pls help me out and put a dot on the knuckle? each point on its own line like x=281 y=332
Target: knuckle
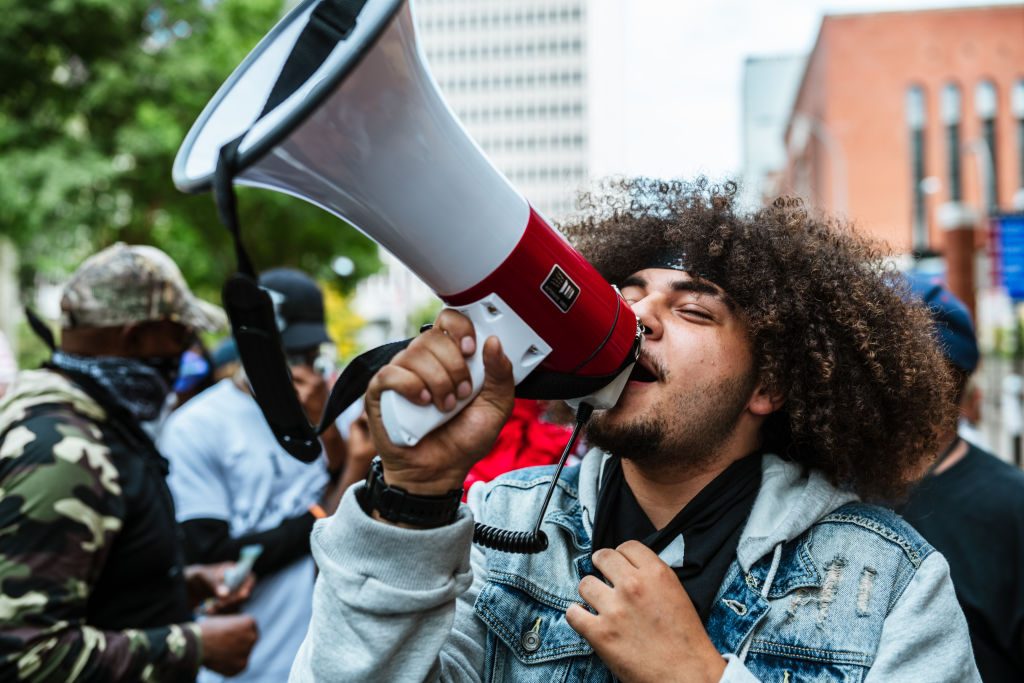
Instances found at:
x=631 y=586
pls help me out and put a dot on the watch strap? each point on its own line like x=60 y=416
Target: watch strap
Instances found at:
x=395 y=504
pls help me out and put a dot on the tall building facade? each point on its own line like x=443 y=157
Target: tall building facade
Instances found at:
x=769 y=86
x=910 y=121
x=515 y=73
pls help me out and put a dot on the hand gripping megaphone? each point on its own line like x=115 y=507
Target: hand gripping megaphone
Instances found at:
x=336 y=107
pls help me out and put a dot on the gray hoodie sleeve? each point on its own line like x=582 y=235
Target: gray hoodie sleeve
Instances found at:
x=925 y=637
x=392 y=604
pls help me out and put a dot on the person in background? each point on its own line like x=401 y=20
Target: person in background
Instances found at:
x=195 y=374
x=225 y=359
x=235 y=486
x=970 y=506
x=93 y=583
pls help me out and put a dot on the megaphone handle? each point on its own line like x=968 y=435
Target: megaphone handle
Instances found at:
x=406 y=423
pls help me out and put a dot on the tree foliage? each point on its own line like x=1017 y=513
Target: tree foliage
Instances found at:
x=96 y=97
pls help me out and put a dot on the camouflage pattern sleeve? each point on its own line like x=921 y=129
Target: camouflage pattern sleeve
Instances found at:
x=60 y=510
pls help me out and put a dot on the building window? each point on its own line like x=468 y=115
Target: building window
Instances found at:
x=916 y=120
x=951 y=113
x=986 y=105
x=1018 y=113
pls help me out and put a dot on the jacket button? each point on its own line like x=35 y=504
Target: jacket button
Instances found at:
x=531 y=639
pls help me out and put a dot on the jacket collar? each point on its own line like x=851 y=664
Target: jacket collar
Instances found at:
x=790 y=501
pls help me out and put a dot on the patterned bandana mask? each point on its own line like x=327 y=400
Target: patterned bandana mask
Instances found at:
x=140 y=386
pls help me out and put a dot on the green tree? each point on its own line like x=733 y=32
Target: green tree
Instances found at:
x=96 y=97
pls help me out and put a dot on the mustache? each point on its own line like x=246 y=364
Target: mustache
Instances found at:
x=654 y=364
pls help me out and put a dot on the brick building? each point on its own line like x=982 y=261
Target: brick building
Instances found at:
x=901 y=117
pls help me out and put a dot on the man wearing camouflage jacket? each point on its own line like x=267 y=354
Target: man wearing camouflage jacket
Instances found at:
x=92 y=583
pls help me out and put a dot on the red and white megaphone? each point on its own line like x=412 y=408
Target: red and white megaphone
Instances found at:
x=336 y=106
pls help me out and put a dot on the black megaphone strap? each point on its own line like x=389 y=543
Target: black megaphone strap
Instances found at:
x=331 y=22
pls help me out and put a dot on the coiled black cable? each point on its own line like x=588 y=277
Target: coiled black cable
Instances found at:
x=531 y=542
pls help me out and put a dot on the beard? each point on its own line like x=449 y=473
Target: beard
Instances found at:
x=688 y=432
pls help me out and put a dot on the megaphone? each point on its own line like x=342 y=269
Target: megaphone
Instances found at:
x=336 y=106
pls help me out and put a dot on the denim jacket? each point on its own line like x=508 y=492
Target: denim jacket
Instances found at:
x=823 y=588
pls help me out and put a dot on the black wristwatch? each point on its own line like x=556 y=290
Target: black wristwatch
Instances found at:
x=395 y=504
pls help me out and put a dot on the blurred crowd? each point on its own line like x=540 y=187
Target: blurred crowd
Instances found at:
x=152 y=527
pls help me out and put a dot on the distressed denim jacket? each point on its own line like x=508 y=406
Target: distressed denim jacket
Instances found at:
x=824 y=588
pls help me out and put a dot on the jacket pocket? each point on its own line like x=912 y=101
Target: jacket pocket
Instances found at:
x=529 y=638
x=780 y=663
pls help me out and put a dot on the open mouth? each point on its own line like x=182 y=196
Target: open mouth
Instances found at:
x=642 y=373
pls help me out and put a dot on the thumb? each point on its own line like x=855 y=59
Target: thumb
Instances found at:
x=498 y=381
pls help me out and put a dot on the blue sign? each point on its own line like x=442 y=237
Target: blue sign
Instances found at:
x=1011 y=254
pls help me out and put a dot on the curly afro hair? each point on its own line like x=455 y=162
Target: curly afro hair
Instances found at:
x=831 y=324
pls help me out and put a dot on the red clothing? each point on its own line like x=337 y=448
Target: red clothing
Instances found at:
x=524 y=441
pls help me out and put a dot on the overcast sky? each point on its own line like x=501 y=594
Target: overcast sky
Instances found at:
x=667 y=74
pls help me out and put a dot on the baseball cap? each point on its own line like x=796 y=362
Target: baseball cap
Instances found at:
x=298 y=306
x=126 y=284
x=953 y=326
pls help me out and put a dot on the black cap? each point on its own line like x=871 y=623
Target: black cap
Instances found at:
x=299 y=307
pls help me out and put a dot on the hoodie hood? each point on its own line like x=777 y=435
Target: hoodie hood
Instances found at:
x=40 y=387
x=791 y=499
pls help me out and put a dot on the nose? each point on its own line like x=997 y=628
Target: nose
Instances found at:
x=646 y=310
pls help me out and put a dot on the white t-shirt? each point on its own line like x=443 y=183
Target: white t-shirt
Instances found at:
x=227 y=465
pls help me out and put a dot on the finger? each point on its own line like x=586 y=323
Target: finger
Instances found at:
x=425 y=363
x=582 y=621
x=447 y=350
x=459 y=328
x=499 y=384
x=394 y=378
x=595 y=592
x=613 y=565
x=638 y=554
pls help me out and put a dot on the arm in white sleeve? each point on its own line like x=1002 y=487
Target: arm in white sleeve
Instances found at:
x=392 y=604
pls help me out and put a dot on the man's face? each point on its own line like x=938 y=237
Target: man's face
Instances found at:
x=158 y=339
x=695 y=377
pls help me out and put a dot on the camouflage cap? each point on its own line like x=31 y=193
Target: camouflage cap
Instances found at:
x=125 y=284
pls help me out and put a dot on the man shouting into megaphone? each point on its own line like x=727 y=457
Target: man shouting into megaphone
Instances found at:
x=717 y=531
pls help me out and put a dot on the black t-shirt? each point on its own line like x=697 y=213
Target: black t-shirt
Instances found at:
x=973 y=513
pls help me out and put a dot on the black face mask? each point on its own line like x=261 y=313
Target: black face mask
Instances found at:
x=168 y=367
x=140 y=385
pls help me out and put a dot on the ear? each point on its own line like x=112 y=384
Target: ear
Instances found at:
x=764 y=402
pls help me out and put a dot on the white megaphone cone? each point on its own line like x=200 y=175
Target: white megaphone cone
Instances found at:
x=367 y=136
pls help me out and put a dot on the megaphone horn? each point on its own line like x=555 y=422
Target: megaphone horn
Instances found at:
x=336 y=106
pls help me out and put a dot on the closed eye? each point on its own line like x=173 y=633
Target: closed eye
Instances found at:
x=696 y=312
